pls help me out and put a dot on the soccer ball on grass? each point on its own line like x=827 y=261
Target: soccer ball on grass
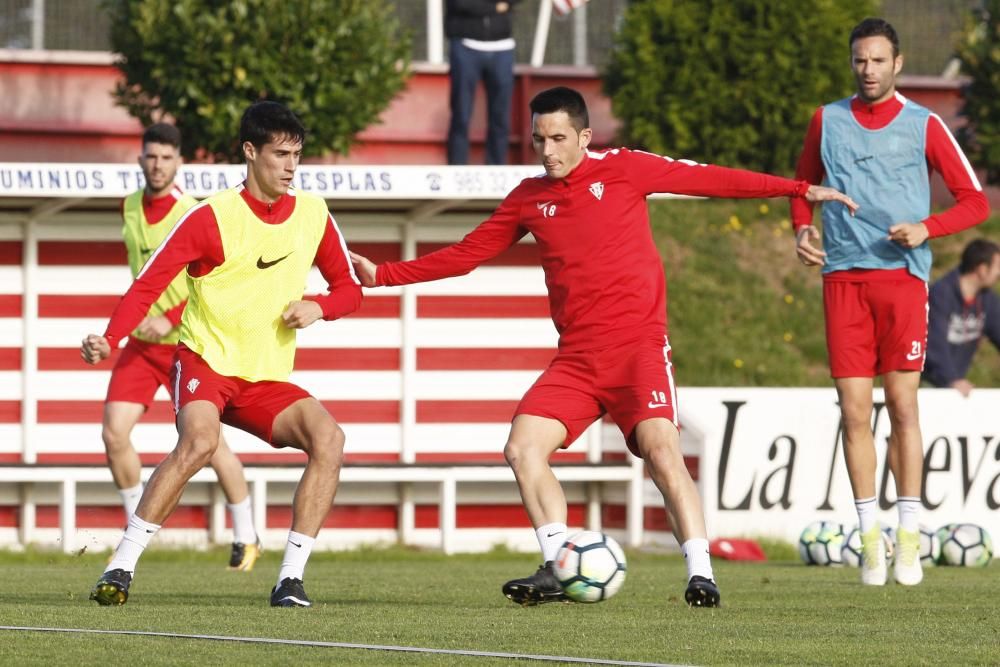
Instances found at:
x=820 y=543
x=942 y=534
x=590 y=566
x=968 y=545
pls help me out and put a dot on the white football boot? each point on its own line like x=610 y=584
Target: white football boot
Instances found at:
x=907 y=569
x=873 y=568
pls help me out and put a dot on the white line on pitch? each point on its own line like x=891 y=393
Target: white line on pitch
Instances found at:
x=370 y=647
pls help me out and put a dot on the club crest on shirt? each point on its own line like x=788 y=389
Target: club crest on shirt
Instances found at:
x=193 y=384
x=597 y=189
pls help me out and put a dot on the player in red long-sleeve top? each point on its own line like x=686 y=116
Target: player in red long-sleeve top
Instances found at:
x=247 y=252
x=608 y=301
x=881 y=147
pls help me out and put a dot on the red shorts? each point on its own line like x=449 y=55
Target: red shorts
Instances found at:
x=249 y=406
x=876 y=326
x=631 y=383
x=139 y=371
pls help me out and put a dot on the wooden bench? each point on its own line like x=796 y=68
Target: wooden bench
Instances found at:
x=446 y=476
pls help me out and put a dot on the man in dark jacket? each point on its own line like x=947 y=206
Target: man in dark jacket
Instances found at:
x=963 y=307
x=481 y=46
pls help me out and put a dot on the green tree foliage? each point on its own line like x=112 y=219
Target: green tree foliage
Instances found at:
x=336 y=63
x=732 y=82
x=979 y=51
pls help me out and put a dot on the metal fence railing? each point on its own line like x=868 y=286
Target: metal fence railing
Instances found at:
x=928 y=29
x=60 y=25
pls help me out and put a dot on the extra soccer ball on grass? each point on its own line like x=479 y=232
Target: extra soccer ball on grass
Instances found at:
x=942 y=534
x=820 y=543
x=590 y=566
x=967 y=545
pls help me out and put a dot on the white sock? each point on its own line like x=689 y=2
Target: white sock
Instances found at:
x=243 y=531
x=130 y=499
x=696 y=557
x=137 y=535
x=909 y=513
x=550 y=537
x=296 y=554
x=867 y=507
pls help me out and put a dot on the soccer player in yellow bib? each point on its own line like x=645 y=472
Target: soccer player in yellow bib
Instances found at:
x=148 y=215
x=246 y=253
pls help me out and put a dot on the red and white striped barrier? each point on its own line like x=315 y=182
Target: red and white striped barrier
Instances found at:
x=427 y=374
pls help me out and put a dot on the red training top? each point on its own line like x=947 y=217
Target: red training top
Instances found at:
x=602 y=269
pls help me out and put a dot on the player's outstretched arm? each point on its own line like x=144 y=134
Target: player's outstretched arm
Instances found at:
x=820 y=193
x=364 y=268
x=490 y=238
x=809 y=254
x=95 y=349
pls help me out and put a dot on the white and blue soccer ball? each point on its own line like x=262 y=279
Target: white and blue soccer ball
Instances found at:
x=820 y=543
x=590 y=567
x=930 y=547
x=850 y=553
x=942 y=534
x=967 y=545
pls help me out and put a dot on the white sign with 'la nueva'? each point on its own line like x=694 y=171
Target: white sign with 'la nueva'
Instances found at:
x=772 y=459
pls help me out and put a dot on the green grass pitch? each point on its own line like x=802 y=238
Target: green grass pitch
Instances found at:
x=779 y=612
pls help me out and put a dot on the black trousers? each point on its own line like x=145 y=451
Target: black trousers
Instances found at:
x=496 y=70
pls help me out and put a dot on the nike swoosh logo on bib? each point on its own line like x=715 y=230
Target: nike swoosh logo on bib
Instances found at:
x=261 y=264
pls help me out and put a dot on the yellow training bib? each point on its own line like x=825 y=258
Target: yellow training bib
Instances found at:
x=233 y=317
x=141 y=239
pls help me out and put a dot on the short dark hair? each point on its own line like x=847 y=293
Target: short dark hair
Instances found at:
x=565 y=99
x=162 y=133
x=872 y=27
x=977 y=253
x=267 y=121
